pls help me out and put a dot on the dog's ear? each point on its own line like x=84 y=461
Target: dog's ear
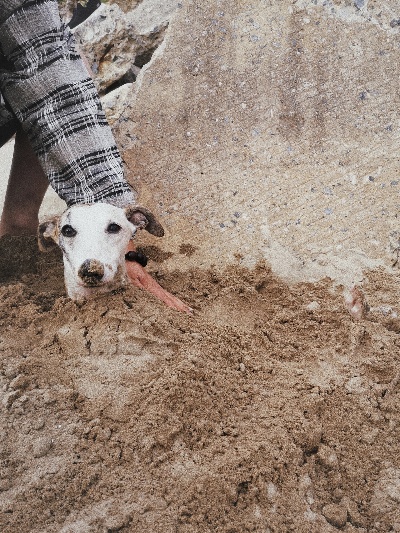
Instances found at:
x=144 y=219
x=48 y=234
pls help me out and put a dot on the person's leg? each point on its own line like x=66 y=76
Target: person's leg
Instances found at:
x=48 y=88
x=25 y=191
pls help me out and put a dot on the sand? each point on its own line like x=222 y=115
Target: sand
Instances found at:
x=272 y=409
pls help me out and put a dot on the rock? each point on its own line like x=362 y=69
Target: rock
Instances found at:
x=356 y=302
x=353 y=513
x=38 y=424
x=327 y=457
x=10 y=372
x=355 y=385
x=335 y=514
x=114 y=42
x=386 y=495
x=9 y=398
x=151 y=14
x=369 y=435
x=42 y=447
x=19 y=382
x=272 y=491
x=6 y=507
x=102 y=38
x=311 y=437
x=5 y=484
x=117 y=521
x=258 y=151
x=114 y=102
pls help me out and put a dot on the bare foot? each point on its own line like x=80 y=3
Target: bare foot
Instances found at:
x=139 y=277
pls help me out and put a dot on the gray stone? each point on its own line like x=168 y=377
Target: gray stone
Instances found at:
x=114 y=42
x=386 y=495
x=353 y=513
x=359 y=3
x=42 y=447
x=335 y=514
x=114 y=102
x=9 y=398
x=327 y=456
x=5 y=484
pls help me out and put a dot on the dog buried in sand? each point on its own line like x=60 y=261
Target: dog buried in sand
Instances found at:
x=94 y=239
x=49 y=100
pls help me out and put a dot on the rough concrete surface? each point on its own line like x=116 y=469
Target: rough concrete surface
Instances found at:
x=271 y=130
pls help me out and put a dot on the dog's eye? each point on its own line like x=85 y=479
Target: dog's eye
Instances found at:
x=113 y=228
x=68 y=231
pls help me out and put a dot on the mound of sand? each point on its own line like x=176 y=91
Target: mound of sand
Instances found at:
x=270 y=410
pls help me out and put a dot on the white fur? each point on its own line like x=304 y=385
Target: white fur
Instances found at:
x=92 y=242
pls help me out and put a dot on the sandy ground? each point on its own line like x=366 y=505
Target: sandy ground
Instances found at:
x=272 y=409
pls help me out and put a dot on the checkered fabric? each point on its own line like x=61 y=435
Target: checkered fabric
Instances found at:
x=46 y=88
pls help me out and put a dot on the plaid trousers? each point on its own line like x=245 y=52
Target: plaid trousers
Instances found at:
x=46 y=88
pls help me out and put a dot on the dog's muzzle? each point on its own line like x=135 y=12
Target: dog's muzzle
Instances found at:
x=91 y=272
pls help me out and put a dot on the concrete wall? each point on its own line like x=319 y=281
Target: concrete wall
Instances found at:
x=266 y=129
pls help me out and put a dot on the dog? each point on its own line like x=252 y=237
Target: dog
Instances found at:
x=93 y=239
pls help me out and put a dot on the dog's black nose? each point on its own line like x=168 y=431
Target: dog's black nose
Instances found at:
x=91 y=271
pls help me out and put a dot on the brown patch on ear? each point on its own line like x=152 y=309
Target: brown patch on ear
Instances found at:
x=144 y=219
x=48 y=235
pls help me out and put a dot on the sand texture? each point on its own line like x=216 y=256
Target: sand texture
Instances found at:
x=272 y=409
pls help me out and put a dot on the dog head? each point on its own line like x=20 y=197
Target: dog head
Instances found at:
x=93 y=239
